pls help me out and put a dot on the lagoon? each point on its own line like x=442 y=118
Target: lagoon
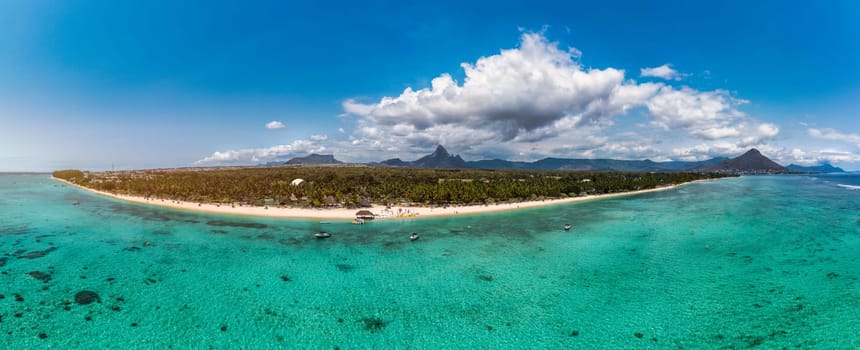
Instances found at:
x=767 y=261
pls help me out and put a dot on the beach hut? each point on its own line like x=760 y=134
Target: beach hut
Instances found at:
x=331 y=201
x=364 y=215
x=364 y=202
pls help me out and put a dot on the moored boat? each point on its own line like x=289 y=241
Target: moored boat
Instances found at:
x=322 y=234
x=414 y=236
x=567 y=227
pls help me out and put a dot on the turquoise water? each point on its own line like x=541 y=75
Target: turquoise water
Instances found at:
x=767 y=262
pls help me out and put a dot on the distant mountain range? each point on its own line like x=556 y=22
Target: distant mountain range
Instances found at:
x=750 y=162
x=440 y=158
x=823 y=168
x=313 y=159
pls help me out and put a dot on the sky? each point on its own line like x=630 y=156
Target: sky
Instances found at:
x=128 y=85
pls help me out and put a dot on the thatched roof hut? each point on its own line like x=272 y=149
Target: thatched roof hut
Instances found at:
x=364 y=202
x=365 y=214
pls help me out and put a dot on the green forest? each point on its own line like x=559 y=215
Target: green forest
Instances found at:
x=360 y=186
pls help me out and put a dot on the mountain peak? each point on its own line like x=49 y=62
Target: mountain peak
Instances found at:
x=440 y=158
x=440 y=152
x=750 y=162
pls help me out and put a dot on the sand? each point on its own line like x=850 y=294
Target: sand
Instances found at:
x=382 y=212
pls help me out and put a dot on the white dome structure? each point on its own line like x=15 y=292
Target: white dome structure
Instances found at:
x=297 y=182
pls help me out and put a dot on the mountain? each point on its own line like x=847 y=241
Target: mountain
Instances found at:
x=314 y=159
x=750 y=162
x=593 y=165
x=823 y=168
x=440 y=158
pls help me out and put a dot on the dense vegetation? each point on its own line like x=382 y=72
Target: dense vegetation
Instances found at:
x=354 y=186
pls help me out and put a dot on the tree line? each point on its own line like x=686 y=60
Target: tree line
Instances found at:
x=357 y=186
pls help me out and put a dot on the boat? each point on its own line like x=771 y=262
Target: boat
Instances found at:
x=414 y=236
x=322 y=235
x=76 y=203
x=358 y=221
x=567 y=227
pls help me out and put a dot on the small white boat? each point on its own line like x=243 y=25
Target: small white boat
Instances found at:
x=322 y=235
x=414 y=236
x=567 y=227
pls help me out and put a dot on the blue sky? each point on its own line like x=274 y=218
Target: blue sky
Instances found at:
x=95 y=84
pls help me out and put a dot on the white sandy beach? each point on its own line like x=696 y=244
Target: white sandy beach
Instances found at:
x=349 y=214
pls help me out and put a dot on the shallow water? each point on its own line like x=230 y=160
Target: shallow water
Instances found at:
x=766 y=262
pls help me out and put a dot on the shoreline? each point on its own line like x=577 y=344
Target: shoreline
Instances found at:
x=382 y=213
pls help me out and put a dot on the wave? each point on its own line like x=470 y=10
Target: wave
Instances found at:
x=850 y=187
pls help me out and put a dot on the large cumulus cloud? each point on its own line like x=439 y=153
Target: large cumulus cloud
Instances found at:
x=540 y=96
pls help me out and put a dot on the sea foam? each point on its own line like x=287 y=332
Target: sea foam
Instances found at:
x=850 y=187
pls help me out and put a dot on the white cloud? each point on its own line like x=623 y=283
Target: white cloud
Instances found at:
x=538 y=96
x=513 y=93
x=834 y=135
x=534 y=101
x=262 y=155
x=818 y=157
x=275 y=125
x=664 y=72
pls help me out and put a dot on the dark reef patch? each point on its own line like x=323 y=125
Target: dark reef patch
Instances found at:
x=14 y=230
x=487 y=278
x=290 y=241
x=219 y=232
x=85 y=297
x=345 y=267
x=638 y=335
x=18 y=297
x=225 y=223
x=373 y=324
x=161 y=232
x=140 y=212
x=753 y=340
x=131 y=249
x=3 y=261
x=34 y=254
x=574 y=333
x=266 y=237
x=286 y=278
x=44 y=277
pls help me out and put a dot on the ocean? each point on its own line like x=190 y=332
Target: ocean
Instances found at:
x=757 y=261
